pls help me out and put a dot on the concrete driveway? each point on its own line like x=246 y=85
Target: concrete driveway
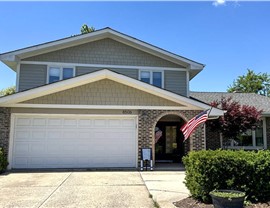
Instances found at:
x=166 y=187
x=74 y=189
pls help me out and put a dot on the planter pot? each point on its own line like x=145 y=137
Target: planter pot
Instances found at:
x=228 y=202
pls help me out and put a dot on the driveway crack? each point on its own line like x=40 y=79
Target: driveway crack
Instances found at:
x=55 y=190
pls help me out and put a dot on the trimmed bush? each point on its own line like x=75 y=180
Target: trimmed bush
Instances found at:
x=246 y=171
x=3 y=161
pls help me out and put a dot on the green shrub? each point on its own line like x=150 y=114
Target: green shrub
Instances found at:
x=3 y=161
x=246 y=171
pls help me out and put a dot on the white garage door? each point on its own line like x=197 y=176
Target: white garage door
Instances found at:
x=73 y=142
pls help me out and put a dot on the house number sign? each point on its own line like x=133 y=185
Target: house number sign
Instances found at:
x=127 y=112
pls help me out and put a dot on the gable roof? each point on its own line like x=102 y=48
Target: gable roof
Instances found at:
x=11 y=58
x=258 y=101
x=16 y=99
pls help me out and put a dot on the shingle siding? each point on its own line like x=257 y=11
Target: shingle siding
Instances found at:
x=32 y=75
x=105 y=51
x=104 y=92
x=175 y=81
x=133 y=73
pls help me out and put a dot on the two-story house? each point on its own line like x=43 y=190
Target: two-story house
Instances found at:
x=94 y=100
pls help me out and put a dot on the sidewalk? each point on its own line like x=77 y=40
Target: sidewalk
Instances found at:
x=165 y=187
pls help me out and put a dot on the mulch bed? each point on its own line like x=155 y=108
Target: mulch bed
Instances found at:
x=192 y=203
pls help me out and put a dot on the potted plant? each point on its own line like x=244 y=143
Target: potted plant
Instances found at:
x=227 y=198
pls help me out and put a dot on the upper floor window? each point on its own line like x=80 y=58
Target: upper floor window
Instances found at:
x=60 y=73
x=152 y=77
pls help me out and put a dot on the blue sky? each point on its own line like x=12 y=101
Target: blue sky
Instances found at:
x=228 y=38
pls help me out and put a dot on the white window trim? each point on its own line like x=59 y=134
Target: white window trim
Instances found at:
x=151 y=75
x=61 y=71
x=253 y=147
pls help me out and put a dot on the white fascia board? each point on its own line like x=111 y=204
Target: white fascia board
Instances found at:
x=56 y=45
x=105 y=74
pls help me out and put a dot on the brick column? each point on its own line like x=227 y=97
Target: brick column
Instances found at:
x=4 y=129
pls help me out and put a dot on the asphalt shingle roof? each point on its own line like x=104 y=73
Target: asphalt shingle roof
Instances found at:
x=258 y=101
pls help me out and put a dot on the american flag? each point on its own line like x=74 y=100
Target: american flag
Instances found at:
x=191 y=125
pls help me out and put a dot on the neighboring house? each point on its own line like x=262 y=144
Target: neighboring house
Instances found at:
x=258 y=138
x=95 y=100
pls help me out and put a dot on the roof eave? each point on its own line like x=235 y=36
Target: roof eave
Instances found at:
x=11 y=58
x=102 y=74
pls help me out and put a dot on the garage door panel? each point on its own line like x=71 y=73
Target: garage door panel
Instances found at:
x=70 y=123
x=37 y=148
x=38 y=135
x=84 y=123
x=23 y=122
x=21 y=148
x=67 y=142
x=54 y=122
x=99 y=123
x=39 y=122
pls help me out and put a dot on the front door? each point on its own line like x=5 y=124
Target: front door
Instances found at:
x=169 y=147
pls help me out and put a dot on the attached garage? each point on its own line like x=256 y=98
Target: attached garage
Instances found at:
x=73 y=141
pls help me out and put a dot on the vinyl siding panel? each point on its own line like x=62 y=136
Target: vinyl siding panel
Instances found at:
x=133 y=73
x=175 y=81
x=31 y=76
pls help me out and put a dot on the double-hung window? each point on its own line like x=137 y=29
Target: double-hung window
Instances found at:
x=56 y=73
x=152 y=77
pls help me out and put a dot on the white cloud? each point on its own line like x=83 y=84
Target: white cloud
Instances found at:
x=219 y=2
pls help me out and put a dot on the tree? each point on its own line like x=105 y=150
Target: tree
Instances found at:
x=7 y=91
x=85 y=29
x=252 y=83
x=238 y=118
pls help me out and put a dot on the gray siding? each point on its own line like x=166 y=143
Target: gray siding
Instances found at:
x=175 y=81
x=133 y=73
x=103 y=92
x=105 y=51
x=32 y=75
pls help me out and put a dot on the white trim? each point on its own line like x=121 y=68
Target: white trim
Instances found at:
x=74 y=114
x=264 y=133
x=104 y=65
x=129 y=107
x=253 y=134
x=221 y=139
x=151 y=71
x=11 y=140
x=12 y=128
x=105 y=74
x=61 y=67
x=97 y=35
x=18 y=76
x=187 y=80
